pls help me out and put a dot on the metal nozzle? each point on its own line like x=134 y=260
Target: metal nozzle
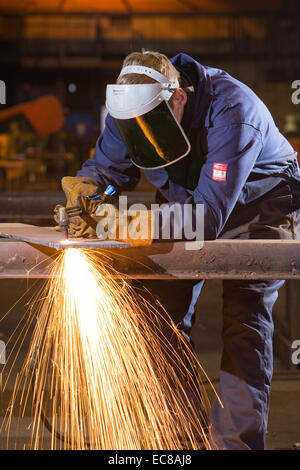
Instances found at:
x=63 y=221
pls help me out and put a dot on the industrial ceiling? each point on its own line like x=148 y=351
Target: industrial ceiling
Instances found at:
x=139 y=6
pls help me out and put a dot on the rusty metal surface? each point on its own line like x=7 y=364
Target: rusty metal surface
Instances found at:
x=48 y=236
x=219 y=259
x=21 y=260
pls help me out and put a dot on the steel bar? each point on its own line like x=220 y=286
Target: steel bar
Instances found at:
x=219 y=259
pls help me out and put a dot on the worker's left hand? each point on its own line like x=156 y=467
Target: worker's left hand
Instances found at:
x=84 y=225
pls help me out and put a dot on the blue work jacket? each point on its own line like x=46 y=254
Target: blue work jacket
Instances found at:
x=239 y=150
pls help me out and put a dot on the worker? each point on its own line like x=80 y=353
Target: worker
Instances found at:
x=209 y=140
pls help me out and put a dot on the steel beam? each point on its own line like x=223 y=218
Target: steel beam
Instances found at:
x=219 y=259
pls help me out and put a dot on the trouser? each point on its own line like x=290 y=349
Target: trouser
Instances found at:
x=246 y=366
x=247 y=359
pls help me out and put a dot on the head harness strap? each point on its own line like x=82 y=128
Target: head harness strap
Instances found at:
x=140 y=69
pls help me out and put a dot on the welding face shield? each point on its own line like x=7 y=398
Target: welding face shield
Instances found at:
x=145 y=120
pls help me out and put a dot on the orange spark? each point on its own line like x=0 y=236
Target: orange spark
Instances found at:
x=100 y=377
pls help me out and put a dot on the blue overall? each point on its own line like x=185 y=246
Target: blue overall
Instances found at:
x=246 y=175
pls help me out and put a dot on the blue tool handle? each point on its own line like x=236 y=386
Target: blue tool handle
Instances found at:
x=110 y=191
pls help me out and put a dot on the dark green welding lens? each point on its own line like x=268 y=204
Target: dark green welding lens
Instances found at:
x=153 y=139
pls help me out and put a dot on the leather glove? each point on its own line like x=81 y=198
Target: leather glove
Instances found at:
x=78 y=190
x=84 y=225
x=80 y=226
x=78 y=186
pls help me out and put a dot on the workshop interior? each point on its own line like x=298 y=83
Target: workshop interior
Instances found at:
x=86 y=362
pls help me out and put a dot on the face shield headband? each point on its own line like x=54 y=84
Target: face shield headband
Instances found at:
x=145 y=120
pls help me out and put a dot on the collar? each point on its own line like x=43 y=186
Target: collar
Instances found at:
x=197 y=75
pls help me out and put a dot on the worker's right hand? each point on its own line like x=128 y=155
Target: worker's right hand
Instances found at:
x=76 y=187
x=84 y=225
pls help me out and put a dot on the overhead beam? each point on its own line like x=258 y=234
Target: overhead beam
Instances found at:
x=220 y=259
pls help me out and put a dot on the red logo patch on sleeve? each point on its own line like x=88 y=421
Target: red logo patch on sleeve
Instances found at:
x=219 y=171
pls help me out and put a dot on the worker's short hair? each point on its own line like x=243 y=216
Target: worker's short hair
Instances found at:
x=154 y=60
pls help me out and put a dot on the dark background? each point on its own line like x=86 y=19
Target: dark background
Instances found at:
x=72 y=49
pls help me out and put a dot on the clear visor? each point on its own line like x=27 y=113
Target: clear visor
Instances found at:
x=154 y=139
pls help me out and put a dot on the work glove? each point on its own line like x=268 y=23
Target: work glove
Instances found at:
x=76 y=187
x=78 y=190
x=82 y=225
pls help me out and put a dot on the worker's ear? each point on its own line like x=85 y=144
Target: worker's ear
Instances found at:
x=177 y=102
x=179 y=98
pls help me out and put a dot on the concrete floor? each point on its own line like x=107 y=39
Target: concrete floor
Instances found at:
x=284 y=418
